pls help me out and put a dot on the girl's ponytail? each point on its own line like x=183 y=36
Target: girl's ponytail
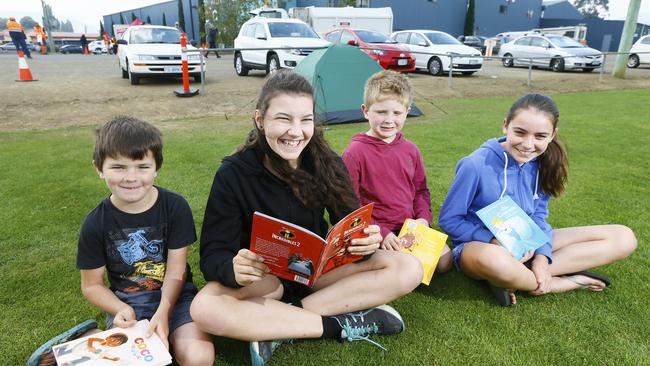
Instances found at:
x=553 y=168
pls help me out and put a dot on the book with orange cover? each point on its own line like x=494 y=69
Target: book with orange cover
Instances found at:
x=297 y=254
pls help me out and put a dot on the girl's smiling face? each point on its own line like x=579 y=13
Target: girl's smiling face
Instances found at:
x=288 y=125
x=528 y=134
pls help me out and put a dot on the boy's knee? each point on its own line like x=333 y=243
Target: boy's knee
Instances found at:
x=444 y=263
x=195 y=356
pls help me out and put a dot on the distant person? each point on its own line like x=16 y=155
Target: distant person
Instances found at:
x=385 y=167
x=107 y=42
x=17 y=34
x=178 y=26
x=84 y=43
x=213 y=32
x=114 y=45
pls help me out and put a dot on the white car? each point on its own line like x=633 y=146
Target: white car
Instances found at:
x=97 y=47
x=432 y=49
x=153 y=50
x=271 y=34
x=552 y=51
x=640 y=52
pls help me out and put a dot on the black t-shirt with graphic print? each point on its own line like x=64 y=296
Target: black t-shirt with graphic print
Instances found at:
x=133 y=247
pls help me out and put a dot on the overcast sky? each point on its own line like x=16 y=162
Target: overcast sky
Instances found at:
x=85 y=15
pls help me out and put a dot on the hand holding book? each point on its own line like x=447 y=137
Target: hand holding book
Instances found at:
x=249 y=267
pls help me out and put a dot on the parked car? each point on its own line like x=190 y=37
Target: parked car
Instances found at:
x=640 y=52
x=12 y=47
x=378 y=46
x=552 y=51
x=97 y=47
x=154 y=51
x=273 y=34
x=429 y=48
x=475 y=42
x=71 y=48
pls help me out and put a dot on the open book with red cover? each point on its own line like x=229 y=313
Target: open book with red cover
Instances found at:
x=297 y=254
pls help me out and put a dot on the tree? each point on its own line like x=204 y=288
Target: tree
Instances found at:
x=148 y=20
x=228 y=16
x=122 y=19
x=164 y=20
x=133 y=17
x=592 y=9
x=181 y=15
x=202 y=32
x=101 y=28
x=28 y=22
x=469 y=19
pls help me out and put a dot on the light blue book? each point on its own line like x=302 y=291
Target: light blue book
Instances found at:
x=512 y=227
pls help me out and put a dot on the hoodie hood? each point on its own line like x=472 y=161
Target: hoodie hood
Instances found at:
x=374 y=141
x=494 y=145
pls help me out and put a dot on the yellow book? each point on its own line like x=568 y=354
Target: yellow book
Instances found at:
x=424 y=243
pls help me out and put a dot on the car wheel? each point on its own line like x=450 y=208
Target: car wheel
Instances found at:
x=435 y=66
x=240 y=69
x=633 y=61
x=272 y=64
x=135 y=80
x=557 y=64
x=588 y=69
x=507 y=60
x=125 y=74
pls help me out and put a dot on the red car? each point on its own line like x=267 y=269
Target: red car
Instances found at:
x=378 y=46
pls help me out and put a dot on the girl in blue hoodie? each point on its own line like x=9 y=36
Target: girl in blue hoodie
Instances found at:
x=529 y=165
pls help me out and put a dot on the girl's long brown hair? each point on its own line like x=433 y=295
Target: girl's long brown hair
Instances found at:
x=321 y=179
x=554 y=162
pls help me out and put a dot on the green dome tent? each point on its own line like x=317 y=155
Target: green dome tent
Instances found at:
x=338 y=74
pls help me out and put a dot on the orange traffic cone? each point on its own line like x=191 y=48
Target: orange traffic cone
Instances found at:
x=23 y=70
x=85 y=51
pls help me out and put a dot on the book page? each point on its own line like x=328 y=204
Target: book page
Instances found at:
x=114 y=347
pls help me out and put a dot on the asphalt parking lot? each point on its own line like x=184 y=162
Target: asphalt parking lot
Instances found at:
x=82 y=90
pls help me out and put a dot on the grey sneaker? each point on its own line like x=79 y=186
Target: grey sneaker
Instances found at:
x=362 y=324
x=261 y=351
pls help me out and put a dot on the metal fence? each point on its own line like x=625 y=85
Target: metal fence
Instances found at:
x=530 y=61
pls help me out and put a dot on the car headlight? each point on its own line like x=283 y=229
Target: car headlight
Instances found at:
x=454 y=54
x=145 y=57
x=378 y=52
x=193 y=57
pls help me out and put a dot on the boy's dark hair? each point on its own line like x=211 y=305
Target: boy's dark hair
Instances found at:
x=129 y=137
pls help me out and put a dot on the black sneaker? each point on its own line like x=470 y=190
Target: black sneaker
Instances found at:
x=362 y=324
x=261 y=351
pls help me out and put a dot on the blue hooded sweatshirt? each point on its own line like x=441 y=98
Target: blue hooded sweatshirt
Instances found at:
x=482 y=178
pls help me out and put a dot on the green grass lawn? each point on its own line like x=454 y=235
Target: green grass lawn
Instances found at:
x=47 y=186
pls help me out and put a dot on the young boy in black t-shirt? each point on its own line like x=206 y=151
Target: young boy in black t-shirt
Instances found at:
x=139 y=235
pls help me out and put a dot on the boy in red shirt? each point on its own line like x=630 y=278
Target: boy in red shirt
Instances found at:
x=385 y=167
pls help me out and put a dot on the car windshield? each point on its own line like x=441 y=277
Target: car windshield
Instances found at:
x=373 y=37
x=295 y=30
x=441 y=38
x=565 y=42
x=155 y=35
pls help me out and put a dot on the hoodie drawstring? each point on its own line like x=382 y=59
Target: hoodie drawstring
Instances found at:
x=505 y=175
x=505 y=179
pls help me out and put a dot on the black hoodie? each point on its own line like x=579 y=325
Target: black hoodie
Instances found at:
x=241 y=186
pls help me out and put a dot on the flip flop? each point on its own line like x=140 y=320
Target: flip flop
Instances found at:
x=502 y=295
x=69 y=335
x=604 y=279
